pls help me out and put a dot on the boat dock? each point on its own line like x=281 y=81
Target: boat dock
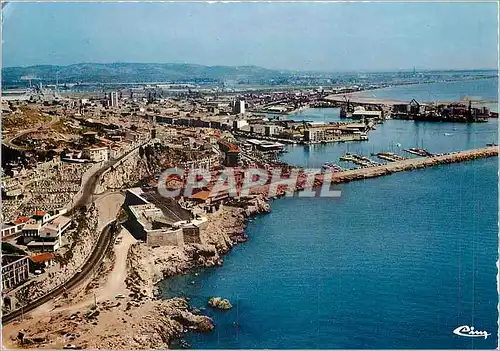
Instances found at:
x=359 y=160
x=389 y=156
x=418 y=152
x=413 y=163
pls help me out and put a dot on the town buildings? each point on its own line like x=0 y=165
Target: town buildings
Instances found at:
x=97 y=153
x=15 y=270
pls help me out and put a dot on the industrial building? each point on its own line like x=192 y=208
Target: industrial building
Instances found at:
x=265 y=146
x=239 y=106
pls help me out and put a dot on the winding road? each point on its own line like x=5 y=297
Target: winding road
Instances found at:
x=103 y=243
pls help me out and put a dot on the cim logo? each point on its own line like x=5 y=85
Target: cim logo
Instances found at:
x=470 y=332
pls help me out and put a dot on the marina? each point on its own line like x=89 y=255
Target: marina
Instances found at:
x=262 y=177
x=359 y=160
x=332 y=167
x=389 y=156
x=418 y=152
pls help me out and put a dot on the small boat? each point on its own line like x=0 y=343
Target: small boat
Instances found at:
x=447 y=134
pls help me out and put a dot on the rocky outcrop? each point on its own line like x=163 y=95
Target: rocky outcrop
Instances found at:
x=219 y=303
x=152 y=325
x=147 y=265
x=256 y=205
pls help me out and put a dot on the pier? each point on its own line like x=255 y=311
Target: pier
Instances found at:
x=359 y=160
x=389 y=156
x=333 y=167
x=411 y=164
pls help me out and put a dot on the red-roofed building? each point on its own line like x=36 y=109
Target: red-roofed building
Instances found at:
x=45 y=259
x=21 y=220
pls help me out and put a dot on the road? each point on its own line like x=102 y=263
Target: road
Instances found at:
x=101 y=247
x=103 y=243
x=9 y=141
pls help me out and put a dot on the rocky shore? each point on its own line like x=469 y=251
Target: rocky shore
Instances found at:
x=411 y=164
x=148 y=265
x=138 y=318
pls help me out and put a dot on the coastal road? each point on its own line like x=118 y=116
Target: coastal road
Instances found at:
x=89 y=186
x=101 y=247
x=103 y=243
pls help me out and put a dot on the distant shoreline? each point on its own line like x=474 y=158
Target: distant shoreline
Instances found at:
x=366 y=99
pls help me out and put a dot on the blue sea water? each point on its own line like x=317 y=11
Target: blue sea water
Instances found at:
x=395 y=262
x=480 y=89
x=324 y=115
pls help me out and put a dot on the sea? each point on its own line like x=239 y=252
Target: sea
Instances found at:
x=395 y=262
x=479 y=89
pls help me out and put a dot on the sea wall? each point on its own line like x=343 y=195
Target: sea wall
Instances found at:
x=411 y=164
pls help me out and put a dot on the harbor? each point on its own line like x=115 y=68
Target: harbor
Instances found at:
x=414 y=163
x=255 y=176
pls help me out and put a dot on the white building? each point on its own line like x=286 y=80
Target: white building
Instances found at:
x=238 y=124
x=362 y=114
x=113 y=99
x=97 y=153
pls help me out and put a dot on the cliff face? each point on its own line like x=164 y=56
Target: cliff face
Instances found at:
x=129 y=171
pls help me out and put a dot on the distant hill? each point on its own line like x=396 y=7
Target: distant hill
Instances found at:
x=140 y=72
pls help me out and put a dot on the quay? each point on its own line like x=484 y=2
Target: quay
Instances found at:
x=359 y=160
x=411 y=164
x=389 y=156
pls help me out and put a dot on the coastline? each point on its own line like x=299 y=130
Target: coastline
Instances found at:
x=136 y=318
x=361 y=96
x=156 y=323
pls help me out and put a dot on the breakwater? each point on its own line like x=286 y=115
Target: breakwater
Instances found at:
x=311 y=178
x=411 y=164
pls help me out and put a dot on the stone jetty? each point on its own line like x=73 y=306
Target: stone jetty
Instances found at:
x=411 y=164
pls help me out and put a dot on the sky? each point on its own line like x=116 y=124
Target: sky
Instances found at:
x=299 y=36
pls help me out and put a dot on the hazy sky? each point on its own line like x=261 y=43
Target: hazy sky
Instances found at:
x=305 y=36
